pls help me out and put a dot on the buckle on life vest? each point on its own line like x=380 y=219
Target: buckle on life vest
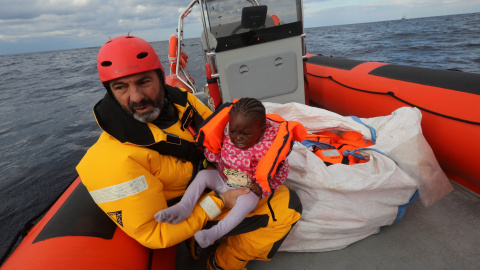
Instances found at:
x=187 y=118
x=173 y=139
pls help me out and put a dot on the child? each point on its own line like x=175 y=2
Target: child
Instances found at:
x=247 y=138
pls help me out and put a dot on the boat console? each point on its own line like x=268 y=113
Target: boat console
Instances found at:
x=253 y=49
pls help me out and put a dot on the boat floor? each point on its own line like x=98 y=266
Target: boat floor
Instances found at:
x=444 y=236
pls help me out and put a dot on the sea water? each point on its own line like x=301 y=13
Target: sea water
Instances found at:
x=47 y=98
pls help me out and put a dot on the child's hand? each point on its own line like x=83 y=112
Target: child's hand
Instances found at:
x=255 y=188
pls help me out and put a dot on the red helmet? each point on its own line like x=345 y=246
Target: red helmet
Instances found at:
x=126 y=55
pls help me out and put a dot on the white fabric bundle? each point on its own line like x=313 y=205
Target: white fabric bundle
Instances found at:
x=346 y=203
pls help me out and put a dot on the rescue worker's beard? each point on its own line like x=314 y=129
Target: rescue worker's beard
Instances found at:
x=148 y=116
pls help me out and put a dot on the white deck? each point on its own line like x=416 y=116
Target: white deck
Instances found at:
x=444 y=236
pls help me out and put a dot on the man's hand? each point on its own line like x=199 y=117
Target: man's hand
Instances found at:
x=229 y=198
x=255 y=188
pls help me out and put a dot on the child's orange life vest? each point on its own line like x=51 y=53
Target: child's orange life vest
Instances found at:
x=211 y=134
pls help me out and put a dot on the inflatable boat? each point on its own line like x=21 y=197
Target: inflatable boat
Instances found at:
x=260 y=52
x=76 y=234
x=448 y=101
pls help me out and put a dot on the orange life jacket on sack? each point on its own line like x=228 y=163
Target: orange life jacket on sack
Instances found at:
x=211 y=134
x=331 y=147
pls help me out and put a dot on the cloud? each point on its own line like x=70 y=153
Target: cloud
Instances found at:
x=91 y=22
x=24 y=10
x=5 y=38
x=99 y=17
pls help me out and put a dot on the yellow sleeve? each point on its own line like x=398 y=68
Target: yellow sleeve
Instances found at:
x=122 y=182
x=203 y=110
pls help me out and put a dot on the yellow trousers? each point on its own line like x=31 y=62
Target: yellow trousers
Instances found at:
x=258 y=237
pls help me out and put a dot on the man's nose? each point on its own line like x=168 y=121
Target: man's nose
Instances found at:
x=136 y=95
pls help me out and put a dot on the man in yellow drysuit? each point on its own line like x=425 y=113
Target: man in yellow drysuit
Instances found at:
x=146 y=156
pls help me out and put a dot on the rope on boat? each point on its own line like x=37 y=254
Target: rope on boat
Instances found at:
x=28 y=226
x=392 y=94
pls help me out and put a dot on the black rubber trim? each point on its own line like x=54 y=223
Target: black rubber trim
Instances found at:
x=78 y=216
x=258 y=36
x=392 y=94
x=448 y=79
x=340 y=63
x=28 y=226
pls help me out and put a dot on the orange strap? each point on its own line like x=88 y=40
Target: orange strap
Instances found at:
x=288 y=132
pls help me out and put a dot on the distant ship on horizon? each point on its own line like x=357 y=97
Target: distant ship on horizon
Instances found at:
x=404 y=17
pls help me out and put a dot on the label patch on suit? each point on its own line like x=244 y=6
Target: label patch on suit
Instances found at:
x=120 y=191
x=117 y=216
x=210 y=207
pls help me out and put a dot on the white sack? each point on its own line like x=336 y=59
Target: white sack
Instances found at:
x=400 y=136
x=343 y=204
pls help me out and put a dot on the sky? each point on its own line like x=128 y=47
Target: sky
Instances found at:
x=47 y=25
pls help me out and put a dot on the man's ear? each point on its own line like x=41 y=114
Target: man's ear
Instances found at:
x=107 y=86
x=161 y=76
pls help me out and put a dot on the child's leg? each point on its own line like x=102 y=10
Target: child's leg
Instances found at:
x=177 y=213
x=245 y=204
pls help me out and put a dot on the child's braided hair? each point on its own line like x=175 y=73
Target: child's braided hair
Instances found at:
x=250 y=107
